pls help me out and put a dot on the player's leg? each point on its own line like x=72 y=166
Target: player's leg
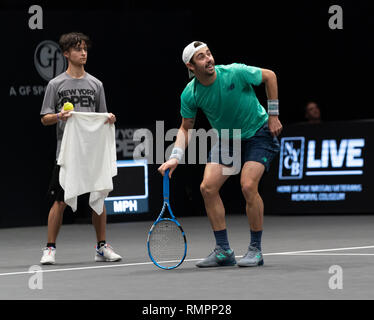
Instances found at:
x=54 y=224
x=212 y=183
x=55 y=217
x=250 y=177
x=259 y=151
x=104 y=252
x=99 y=222
x=56 y=212
x=210 y=186
x=251 y=174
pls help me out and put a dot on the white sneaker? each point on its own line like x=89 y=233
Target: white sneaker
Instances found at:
x=106 y=253
x=48 y=257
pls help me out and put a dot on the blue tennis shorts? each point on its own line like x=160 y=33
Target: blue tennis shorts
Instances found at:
x=262 y=148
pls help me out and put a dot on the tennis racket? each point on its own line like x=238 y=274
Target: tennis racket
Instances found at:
x=167 y=245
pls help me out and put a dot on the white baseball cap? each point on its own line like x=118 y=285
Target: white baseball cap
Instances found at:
x=188 y=53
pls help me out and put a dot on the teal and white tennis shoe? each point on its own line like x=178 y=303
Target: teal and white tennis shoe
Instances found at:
x=252 y=258
x=218 y=258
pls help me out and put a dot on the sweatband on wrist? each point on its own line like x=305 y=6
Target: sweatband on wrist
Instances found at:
x=273 y=107
x=58 y=118
x=177 y=153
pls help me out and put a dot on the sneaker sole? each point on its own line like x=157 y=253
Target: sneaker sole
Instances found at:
x=100 y=259
x=217 y=265
x=261 y=263
x=47 y=263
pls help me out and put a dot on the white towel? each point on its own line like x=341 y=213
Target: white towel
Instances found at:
x=87 y=159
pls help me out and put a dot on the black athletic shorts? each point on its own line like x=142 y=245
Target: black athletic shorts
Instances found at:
x=55 y=191
x=262 y=148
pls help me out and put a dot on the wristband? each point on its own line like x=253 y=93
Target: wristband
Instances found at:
x=177 y=153
x=58 y=118
x=273 y=107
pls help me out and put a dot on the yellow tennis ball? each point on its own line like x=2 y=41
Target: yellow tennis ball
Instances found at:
x=68 y=106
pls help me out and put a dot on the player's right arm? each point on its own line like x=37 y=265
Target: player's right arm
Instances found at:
x=181 y=142
x=48 y=113
x=52 y=118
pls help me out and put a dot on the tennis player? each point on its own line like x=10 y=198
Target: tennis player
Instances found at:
x=225 y=94
x=86 y=93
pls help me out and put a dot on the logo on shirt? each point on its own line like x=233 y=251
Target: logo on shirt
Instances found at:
x=49 y=60
x=84 y=98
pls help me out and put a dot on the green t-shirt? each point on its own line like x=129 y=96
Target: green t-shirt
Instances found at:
x=229 y=102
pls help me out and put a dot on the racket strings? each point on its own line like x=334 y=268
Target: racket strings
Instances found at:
x=167 y=243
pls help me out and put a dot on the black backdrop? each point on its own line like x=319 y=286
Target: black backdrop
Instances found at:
x=137 y=51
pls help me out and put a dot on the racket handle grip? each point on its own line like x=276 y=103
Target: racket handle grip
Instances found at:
x=166 y=185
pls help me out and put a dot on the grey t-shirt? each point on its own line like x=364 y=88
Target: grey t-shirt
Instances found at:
x=86 y=94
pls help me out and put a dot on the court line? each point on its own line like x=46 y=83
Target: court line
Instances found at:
x=292 y=253
x=332 y=254
x=78 y=268
x=318 y=250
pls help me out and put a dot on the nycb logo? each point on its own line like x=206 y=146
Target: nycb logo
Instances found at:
x=291 y=158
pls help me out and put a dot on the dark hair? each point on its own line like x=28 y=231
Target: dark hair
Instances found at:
x=196 y=44
x=72 y=40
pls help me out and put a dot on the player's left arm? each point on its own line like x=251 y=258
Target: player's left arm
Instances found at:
x=101 y=105
x=269 y=78
x=111 y=118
